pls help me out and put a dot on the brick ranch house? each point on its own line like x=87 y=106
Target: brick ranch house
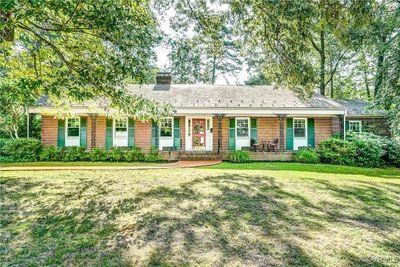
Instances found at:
x=208 y=122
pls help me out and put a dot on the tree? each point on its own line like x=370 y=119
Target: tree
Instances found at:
x=78 y=50
x=211 y=51
x=295 y=36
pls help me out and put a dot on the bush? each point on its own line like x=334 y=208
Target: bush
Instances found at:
x=369 y=152
x=306 y=156
x=98 y=154
x=153 y=156
x=3 y=143
x=134 y=154
x=51 y=153
x=23 y=149
x=239 y=156
x=74 y=153
x=116 y=154
x=337 y=151
x=392 y=152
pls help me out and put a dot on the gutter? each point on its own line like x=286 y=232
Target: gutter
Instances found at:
x=344 y=124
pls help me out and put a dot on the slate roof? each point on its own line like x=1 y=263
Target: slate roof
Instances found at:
x=360 y=108
x=223 y=96
x=231 y=96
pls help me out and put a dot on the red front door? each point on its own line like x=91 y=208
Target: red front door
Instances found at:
x=199 y=134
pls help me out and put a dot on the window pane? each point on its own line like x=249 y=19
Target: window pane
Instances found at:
x=73 y=132
x=355 y=126
x=166 y=128
x=299 y=127
x=242 y=127
x=73 y=122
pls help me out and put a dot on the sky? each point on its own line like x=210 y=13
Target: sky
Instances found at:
x=162 y=54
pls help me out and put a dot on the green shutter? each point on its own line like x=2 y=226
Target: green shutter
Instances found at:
x=289 y=134
x=347 y=126
x=177 y=134
x=310 y=132
x=109 y=133
x=83 y=133
x=154 y=132
x=61 y=133
x=131 y=132
x=232 y=140
x=253 y=133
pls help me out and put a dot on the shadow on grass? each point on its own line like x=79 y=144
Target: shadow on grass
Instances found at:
x=303 y=167
x=238 y=220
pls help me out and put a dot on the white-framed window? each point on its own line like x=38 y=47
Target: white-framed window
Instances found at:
x=299 y=127
x=355 y=126
x=166 y=127
x=73 y=127
x=120 y=128
x=242 y=127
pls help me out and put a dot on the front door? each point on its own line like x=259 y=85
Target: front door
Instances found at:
x=199 y=134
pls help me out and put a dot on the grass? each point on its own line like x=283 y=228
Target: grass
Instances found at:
x=253 y=214
x=73 y=163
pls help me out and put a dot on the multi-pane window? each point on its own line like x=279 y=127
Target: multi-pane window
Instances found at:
x=242 y=127
x=121 y=127
x=189 y=127
x=299 y=126
x=355 y=126
x=73 y=127
x=166 y=128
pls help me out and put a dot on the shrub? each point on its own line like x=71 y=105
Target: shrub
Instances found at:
x=74 y=153
x=306 y=156
x=392 y=152
x=3 y=143
x=337 y=151
x=369 y=152
x=239 y=156
x=134 y=154
x=23 y=149
x=51 y=153
x=98 y=154
x=153 y=156
x=116 y=154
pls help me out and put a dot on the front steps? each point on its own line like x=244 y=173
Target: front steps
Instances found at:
x=199 y=155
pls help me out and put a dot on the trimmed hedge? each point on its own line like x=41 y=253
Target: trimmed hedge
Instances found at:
x=23 y=149
x=308 y=155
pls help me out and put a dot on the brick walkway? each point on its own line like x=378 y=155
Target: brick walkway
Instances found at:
x=178 y=164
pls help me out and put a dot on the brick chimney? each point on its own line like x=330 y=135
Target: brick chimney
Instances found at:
x=163 y=78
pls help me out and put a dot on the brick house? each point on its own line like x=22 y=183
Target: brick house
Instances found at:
x=208 y=120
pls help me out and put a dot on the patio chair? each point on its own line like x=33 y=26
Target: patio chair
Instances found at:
x=274 y=146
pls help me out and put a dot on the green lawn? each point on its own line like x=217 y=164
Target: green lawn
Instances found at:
x=256 y=214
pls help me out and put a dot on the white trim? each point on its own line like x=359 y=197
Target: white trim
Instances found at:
x=242 y=138
x=75 y=139
x=356 y=121
x=209 y=134
x=168 y=140
x=300 y=138
x=207 y=111
x=127 y=137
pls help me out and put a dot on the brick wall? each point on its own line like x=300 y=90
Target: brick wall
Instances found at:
x=49 y=130
x=143 y=135
x=323 y=129
x=100 y=132
x=225 y=133
x=268 y=129
x=182 y=128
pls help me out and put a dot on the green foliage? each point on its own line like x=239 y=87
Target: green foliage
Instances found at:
x=74 y=153
x=392 y=155
x=74 y=51
x=153 y=155
x=337 y=151
x=368 y=148
x=306 y=156
x=134 y=154
x=23 y=149
x=239 y=156
x=116 y=154
x=3 y=142
x=98 y=154
x=51 y=153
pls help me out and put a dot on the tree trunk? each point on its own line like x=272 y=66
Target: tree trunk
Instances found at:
x=379 y=65
x=366 y=83
x=213 y=70
x=322 y=64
